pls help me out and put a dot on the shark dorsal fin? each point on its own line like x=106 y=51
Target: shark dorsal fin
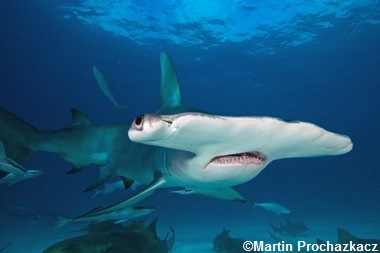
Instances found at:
x=170 y=92
x=79 y=119
x=344 y=236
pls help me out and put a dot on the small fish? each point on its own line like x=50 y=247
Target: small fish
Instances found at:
x=118 y=216
x=273 y=207
x=186 y=191
x=104 y=86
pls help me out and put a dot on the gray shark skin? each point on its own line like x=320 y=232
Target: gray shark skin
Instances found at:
x=346 y=240
x=117 y=239
x=119 y=216
x=345 y=237
x=291 y=228
x=12 y=172
x=223 y=243
x=207 y=154
x=343 y=243
x=8 y=165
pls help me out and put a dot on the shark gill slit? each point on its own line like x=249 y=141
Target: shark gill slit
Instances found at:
x=244 y=158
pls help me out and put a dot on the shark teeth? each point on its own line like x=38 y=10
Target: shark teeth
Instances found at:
x=255 y=157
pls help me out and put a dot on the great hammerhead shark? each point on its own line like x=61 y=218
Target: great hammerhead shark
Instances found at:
x=176 y=147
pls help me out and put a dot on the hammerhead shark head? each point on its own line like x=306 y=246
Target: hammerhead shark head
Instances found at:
x=176 y=147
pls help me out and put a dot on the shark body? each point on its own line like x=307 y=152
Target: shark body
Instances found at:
x=115 y=238
x=224 y=243
x=119 y=216
x=206 y=154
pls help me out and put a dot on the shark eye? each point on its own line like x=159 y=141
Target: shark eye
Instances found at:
x=139 y=121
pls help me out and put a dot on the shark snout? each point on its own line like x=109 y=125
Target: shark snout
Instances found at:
x=146 y=121
x=148 y=127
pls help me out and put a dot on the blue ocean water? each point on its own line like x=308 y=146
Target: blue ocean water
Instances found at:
x=314 y=61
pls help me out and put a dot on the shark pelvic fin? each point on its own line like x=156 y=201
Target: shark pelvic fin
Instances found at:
x=105 y=175
x=79 y=118
x=226 y=193
x=158 y=182
x=170 y=100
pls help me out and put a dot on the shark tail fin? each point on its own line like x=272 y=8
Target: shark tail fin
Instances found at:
x=16 y=135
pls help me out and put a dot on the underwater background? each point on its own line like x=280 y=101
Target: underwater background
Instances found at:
x=314 y=61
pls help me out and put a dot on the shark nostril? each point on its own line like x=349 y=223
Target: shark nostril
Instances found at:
x=139 y=122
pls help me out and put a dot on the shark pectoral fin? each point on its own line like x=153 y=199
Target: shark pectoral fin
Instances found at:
x=105 y=175
x=146 y=192
x=226 y=193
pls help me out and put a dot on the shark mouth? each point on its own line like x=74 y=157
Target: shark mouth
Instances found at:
x=256 y=158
